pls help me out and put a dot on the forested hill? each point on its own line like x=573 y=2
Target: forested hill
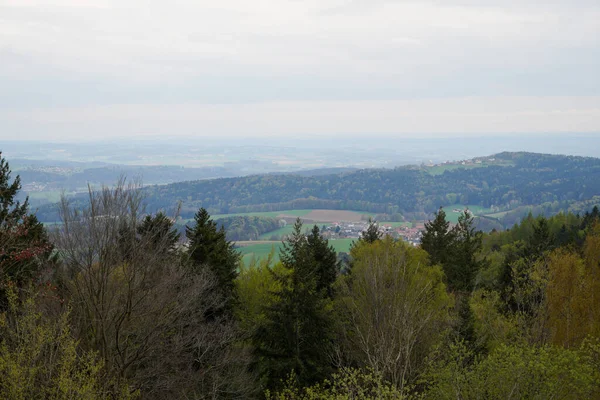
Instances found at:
x=503 y=181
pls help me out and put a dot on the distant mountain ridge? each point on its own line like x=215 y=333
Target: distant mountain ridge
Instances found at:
x=503 y=181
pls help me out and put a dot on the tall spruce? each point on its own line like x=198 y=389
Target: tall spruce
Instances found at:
x=158 y=230
x=327 y=265
x=297 y=330
x=438 y=239
x=209 y=248
x=464 y=265
x=24 y=245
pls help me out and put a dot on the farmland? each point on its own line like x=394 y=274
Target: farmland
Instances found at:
x=261 y=250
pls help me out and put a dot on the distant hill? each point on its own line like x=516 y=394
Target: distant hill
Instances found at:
x=500 y=182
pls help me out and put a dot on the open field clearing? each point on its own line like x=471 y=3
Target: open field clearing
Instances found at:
x=308 y=215
x=262 y=249
x=452 y=216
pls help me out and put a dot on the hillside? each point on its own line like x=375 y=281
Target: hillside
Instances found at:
x=501 y=182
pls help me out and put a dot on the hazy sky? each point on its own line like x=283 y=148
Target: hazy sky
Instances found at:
x=84 y=69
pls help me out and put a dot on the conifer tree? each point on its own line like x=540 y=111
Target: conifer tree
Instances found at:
x=24 y=244
x=325 y=257
x=209 y=248
x=158 y=230
x=464 y=265
x=297 y=330
x=372 y=234
x=438 y=239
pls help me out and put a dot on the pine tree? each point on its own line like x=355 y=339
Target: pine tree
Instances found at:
x=209 y=248
x=297 y=328
x=372 y=234
x=438 y=239
x=24 y=244
x=158 y=231
x=325 y=258
x=463 y=267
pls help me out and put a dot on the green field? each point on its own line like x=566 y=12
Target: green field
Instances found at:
x=395 y=224
x=262 y=250
x=453 y=217
x=440 y=169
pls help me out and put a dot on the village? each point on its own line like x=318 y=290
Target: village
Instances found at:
x=351 y=230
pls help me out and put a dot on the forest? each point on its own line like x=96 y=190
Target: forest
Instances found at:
x=514 y=182
x=114 y=303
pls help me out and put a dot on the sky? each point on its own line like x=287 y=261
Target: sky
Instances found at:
x=75 y=70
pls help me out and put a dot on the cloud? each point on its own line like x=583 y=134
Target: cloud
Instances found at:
x=84 y=53
x=428 y=117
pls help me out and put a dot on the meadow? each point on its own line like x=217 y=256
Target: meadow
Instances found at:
x=261 y=250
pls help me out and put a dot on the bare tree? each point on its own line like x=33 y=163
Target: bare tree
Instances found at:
x=138 y=304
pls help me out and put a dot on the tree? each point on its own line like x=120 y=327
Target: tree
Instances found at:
x=514 y=372
x=464 y=265
x=327 y=266
x=158 y=230
x=24 y=245
x=40 y=357
x=146 y=314
x=296 y=333
x=438 y=239
x=396 y=309
x=372 y=233
x=209 y=248
x=347 y=384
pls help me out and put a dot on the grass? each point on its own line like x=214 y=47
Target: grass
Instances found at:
x=453 y=217
x=440 y=169
x=395 y=224
x=262 y=250
x=286 y=230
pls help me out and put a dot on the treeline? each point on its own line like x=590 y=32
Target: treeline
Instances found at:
x=533 y=179
x=247 y=228
x=111 y=305
x=553 y=183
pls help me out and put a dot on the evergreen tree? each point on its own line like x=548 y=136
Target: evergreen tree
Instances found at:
x=24 y=244
x=463 y=267
x=372 y=233
x=297 y=328
x=438 y=239
x=158 y=230
x=541 y=240
x=325 y=259
x=209 y=248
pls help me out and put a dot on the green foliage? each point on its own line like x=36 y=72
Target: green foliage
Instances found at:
x=464 y=265
x=296 y=333
x=525 y=179
x=158 y=230
x=247 y=227
x=40 y=358
x=348 y=384
x=372 y=233
x=438 y=239
x=514 y=372
x=209 y=248
x=395 y=309
x=24 y=244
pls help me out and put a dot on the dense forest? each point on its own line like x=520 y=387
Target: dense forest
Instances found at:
x=514 y=181
x=111 y=304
